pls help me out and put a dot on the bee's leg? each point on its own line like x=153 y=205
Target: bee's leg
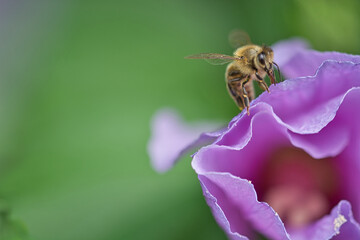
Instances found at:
x=240 y=103
x=245 y=96
x=237 y=90
x=237 y=98
x=261 y=82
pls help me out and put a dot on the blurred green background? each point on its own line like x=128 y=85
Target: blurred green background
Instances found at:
x=79 y=82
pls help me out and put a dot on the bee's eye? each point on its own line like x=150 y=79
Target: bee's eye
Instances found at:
x=261 y=58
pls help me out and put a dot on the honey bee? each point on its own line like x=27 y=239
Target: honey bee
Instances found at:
x=250 y=62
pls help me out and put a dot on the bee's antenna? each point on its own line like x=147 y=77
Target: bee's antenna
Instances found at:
x=277 y=67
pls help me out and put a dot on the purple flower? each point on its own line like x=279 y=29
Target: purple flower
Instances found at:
x=292 y=169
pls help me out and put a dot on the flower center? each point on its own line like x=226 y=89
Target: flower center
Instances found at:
x=299 y=188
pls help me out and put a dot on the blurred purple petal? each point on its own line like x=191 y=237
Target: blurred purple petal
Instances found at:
x=296 y=60
x=171 y=138
x=285 y=50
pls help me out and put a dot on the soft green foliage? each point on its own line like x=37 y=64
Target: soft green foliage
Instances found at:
x=79 y=83
x=334 y=24
x=10 y=229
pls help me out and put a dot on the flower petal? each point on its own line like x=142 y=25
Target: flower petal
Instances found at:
x=296 y=60
x=224 y=155
x=219 y=214
x=172 y=138
x=335 y=136
x=238 y=202
x=349 y=167
x=327 y=88
x=239 y=195
x=225 y=173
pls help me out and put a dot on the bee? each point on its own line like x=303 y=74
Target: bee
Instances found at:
x=250 y=63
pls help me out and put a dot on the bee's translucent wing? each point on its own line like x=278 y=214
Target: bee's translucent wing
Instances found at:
x=213 y=58
x=238 y=38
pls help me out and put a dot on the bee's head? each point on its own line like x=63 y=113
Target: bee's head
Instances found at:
x=265 y=58
x=265 y=61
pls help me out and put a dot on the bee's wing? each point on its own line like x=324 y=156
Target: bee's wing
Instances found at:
x=238 y=38
x=213 y=58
